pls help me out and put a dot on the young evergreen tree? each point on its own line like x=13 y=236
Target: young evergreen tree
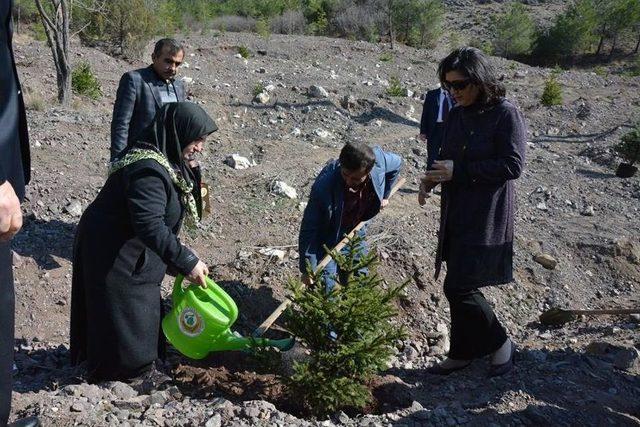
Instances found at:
x=514 y=32
x=572 y=33
x=349 y=332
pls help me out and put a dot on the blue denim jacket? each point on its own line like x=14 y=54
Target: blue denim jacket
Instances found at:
x=321 y=222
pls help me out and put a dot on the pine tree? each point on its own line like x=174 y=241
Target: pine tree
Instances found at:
x=349 y=332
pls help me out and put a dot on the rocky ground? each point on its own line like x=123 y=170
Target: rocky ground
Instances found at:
x=571 y=207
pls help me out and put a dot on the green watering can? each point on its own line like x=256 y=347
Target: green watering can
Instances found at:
x=200 y=322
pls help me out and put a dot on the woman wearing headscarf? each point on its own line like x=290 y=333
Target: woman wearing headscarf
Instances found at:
x=483 y=153
x=126 y=239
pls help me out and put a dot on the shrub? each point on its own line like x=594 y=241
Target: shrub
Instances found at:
x=514 y=32
x=84 y=82
x=234 y=24
x=552 y=94
x=573 y=32
x=362 y=21
x=629 y=146
x=348 y=331
x=386 y=57
x=244 y=52
x=258 y=89
x=395 y=87
x=290 y=22
x=32 y=100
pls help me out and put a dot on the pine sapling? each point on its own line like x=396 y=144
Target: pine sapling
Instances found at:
x=349 y=331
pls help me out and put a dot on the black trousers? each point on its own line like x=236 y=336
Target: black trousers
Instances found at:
x=7 y=306
x=475 y=330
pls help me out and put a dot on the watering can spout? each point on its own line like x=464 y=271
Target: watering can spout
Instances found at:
x=200 y=322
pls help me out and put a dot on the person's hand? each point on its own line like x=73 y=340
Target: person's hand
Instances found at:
x=305 y=279
x=422 y=137
x=10 y=214
x=425 y=188
x=442 y=171
x=199 y=274
x=384 y=203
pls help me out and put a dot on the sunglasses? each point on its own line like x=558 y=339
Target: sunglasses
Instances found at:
x=457 y=85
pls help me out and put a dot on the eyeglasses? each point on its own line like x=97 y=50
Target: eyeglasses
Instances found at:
x=457 y=84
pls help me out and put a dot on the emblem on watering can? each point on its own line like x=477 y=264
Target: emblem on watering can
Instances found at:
x=190 y=322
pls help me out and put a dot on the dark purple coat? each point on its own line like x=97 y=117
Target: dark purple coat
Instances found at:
x=487 y=145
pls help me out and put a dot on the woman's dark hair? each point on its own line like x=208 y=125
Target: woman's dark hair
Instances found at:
x=357 y=155
x=472 y=63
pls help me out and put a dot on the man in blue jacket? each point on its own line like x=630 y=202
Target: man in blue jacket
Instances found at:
x=349 y=190
x=142 y=92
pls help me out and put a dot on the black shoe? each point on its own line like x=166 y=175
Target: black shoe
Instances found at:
x=26 y=422
x=439 y=370
x=506 y=367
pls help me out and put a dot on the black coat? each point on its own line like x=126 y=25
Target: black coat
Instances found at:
x=124 y=242
x=15 y=162
x=487 y=145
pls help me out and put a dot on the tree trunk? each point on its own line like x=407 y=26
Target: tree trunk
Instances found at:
x=600 y=45
x=56 y=27
x=637 y=44
x=390 y=23
x=613 y=46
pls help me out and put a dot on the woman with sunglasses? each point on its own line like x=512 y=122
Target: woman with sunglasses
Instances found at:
x=482 y=153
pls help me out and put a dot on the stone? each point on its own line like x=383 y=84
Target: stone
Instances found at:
x=410 y=353
x=627 y=359
x=271 y=252
x=283 y=189
x=187 y=80
x=553 y=131
x=261 y=98
x=74 y=208
x=238 y=162
x=296 y=132
x=348 y=102
x=122 y=391
x=317 y=92
x=546 y=260
x=322 y=133
x=542 y=206
x=215 y=421
x=588 y=211
x=78 y=407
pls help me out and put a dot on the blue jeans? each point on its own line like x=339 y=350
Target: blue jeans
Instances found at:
x=332 y=272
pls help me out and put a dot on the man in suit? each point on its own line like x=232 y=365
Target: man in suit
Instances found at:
x=437 y=104
x=349 y=190
x=15 y=172
x=142 y=92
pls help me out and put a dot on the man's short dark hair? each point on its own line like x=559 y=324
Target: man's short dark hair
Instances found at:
x=173 y=45
x=357 y=155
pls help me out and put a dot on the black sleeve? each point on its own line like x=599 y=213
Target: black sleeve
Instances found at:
x=3 y=175
x=147 y=203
